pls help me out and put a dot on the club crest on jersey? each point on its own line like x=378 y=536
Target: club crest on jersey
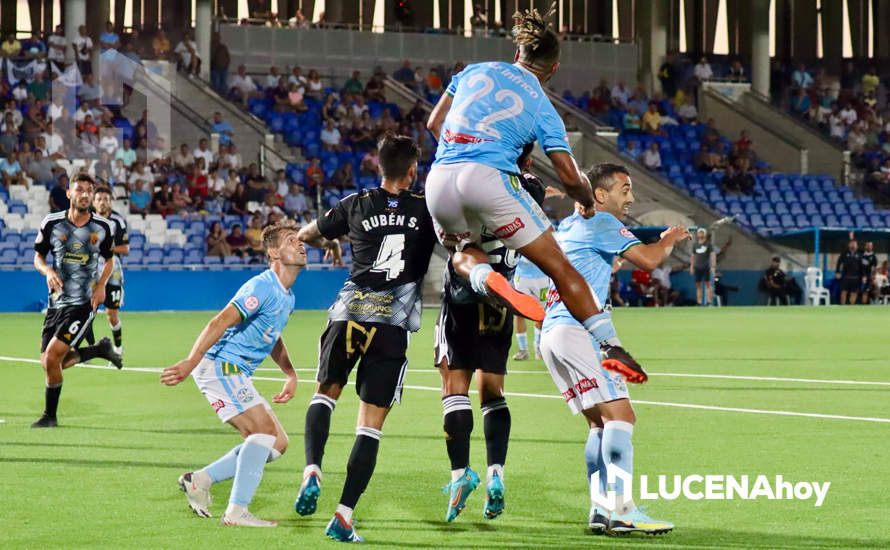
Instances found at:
x=251 y=303
x=94 y=238
x=392 y=203
x=625 y=232
x=506 y=231
x=245 y=395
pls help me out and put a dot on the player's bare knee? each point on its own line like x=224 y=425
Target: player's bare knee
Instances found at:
x=330 y=390
x=281 y=442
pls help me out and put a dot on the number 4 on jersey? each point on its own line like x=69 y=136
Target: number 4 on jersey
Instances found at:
x=389 y=258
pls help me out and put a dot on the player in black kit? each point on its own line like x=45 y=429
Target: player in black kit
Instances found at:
x=392 y=240
x=849 y=271
x=76 y=237
x=474 y=335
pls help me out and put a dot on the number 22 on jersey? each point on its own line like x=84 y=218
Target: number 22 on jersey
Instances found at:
x=486 y=124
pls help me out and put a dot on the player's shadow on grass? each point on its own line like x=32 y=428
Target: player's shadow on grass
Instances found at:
x=97 y=463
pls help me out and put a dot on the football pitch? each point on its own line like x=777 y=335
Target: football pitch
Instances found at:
x=798 y=392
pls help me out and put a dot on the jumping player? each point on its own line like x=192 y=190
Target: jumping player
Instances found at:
x=473 y=335
x=76 y=237
x=488 y=113
x=392 y=240
x=114 y=291
x=571 y=352
x=222 y=361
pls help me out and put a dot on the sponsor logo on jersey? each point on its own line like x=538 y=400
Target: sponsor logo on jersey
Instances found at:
x=251 y=303
x=75 y=258
x=245 y=395
x=460 y=137
x=63 y=237
x=625 y=232
x=553 y=297
x=569 y=394
x=585 y=385
x=392 y=203
x=78 y=246
x=217 y=405
x=507 y=231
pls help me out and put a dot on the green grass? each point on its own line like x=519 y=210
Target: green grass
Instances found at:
x=106 y=477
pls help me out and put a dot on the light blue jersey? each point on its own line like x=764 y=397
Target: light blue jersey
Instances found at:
x=265 y=306
x=590 y=244
x=526 y=269
x=498 y=108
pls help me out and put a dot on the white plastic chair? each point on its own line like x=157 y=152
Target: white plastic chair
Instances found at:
x=816 y=293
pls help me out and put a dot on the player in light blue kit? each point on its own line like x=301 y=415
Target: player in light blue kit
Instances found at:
x=488 y=113
x=571 y=352
x=529 y=279
x=225 y=356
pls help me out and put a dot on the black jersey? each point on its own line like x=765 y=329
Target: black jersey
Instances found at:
x=121 y=237
x=392 y=240
x=456 y=289
x=76 y=252
x=869 y=264
x=849 y=264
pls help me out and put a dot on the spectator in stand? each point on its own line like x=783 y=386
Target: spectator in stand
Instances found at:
x=597 y=104
x=11 y=170
x=141 y=173
x=257 y=185
x=216 y=184
x=198 y=188
x=220 y=59
x=652 y=121
x=140 y=199
x=631 y=120
x=183 y=158
x=223 y=128
x=181 y=200
x=343 y=178
x=354 y=84
x=41 y=170
x=737 y=72
x=687 y=112
x=280 y=185
x=254 y=236
x=434 y=83
x=370 y=165
x=202 y=151
x=744 y=154
x=704 y=160
x=296 y=77
x=314 y=85
x=801 y=102
x=639 y=101
x=217 y=244
x=82 y=45
x=702 y=70
x=11 y=47
x=162 y=202
x=237 y=241
x=238 y=201
x=848 y=115
x=272 y=78
x=187 y=52
x=849 y=271
x=801 y=79
x=856 y=140
x=619 y=94
x=160 y=45
x=420 y=81
x=109 y=39
x=359 y=137
x=232 y=159
x=126 y=154
x=57 y=46
x=9 y=140
x=836 y=127
x=375 y=90
x=633 y=150
x=405 y=75
x=417 y=113
x=314 y=174
x=331 y=140
x=295 y=201
x=652 y=157
x=242 y=86
x=870 y=81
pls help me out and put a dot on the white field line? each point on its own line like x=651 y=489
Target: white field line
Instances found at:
x=543 y=396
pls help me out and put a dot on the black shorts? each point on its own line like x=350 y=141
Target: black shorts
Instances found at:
x=381 y=348
x=68 y=323
x=474 y=336
x=702 y=275
x=114 y=296
x=850 y=284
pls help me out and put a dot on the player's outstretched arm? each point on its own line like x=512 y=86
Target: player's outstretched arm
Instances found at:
x=282 y=359
x=437 y=117
x=573 y=179
x=212 y=332
x=648 y=256
x=311 y=235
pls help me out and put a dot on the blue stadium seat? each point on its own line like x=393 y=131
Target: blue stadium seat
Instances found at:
x=176 y=224
x=721 y=206
x=20 y=209
x=174 y=257
x=197 y=227
x=861 y=220
x=846 y=220
x=314 y=255
x=787 y=221
x=840 y=209
x=137 y=241
x=735 y=208
x=26 y=257
x=802 y=221
x=854 y=208
x=766 y=208
x=825 y=209
x=232 y=260
x=756 y=220
x=781 y=208
x=795 y=208
x=194 y=256
x=876 y=220
x=210 y=260
x=776 y=196
x=134 y=257
x=8 y=246
x=816 y=220
x=772 y=220
x=751 y=208
x=832 y=221
x=12 y=238
x=789 y=196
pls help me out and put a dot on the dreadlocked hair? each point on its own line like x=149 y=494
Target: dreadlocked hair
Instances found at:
x=538 y=45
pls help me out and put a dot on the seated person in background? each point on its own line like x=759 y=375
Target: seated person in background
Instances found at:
x=633 y=150
x=641 y=284
x=370 y=165
x=343 y=177
x=665 y=295
x=254 y=236
x=216 y=241
x=631 y=120
x=652 y=157
x=314 y=174
x=374 y=90
x=162 y=203
x=237 y=241
x=745 y=181
x=140 y=199
x=652 y=120
x=773 y=283
x=331 y=140
x=160 y=45
x=704 y=160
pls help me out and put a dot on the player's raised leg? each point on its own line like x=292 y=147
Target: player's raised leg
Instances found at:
x=458 y=426
x=497 y=421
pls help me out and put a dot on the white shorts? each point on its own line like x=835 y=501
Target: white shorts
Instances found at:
x=572 y=358
x=465 y=196
x=229 y=395
x=536 y=287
